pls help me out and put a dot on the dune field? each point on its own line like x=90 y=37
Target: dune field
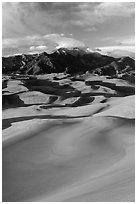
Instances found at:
x=68 y=138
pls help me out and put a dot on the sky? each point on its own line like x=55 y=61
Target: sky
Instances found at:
x=29 y=27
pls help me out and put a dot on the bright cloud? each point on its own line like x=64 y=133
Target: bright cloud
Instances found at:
x=64 y=41
x=117 y=51
x=40 y=47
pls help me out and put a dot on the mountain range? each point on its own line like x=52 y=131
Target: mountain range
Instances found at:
x=70 y=61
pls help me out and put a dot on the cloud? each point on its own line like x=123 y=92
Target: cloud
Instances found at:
x=127 y=41
x=64 y=41
x=21 y=19
x=62 y=34
x=105 y=39
x=117 y=9
x=24 y=24
x=89 y=15
x=29 y=18
x=39 y=43
x=90 y=29
x=120 y=41
x=21 y=41
x=39 y=48
x=117 y=51
x=111 y=48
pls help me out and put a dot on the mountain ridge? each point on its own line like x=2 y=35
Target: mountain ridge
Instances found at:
x=70 y=61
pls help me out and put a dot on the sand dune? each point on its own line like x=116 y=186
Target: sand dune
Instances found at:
x=69 y=149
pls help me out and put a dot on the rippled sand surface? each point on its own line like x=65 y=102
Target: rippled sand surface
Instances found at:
x=82 y=151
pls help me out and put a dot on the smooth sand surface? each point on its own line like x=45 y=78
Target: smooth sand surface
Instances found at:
x=64 y=154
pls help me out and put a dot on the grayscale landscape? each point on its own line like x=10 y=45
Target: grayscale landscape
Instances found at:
x=68 y=102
